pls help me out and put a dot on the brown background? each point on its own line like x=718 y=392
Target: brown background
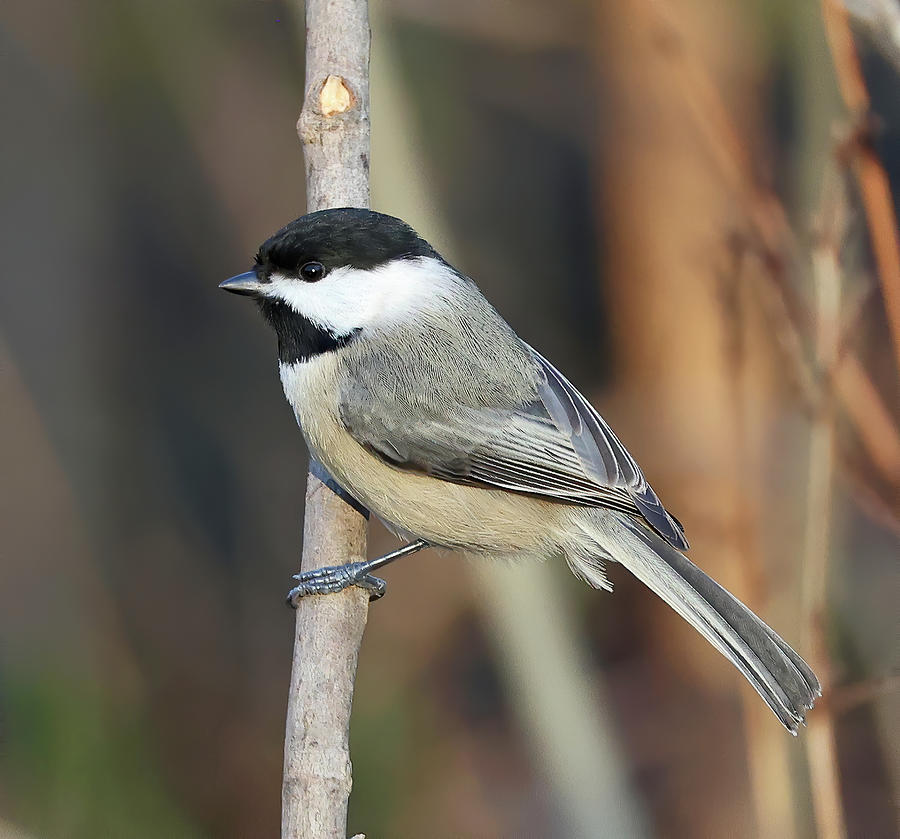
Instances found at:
x=596 y=167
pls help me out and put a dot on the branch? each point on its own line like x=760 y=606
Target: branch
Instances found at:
x=874 y=185
x=770 y=234
x=334 y=131
x=880 y=20
x=820 y=742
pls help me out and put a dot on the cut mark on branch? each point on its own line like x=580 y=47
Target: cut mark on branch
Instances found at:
x=335 y=97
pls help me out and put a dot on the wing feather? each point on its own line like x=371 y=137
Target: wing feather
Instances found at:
x=621 y=469
x=554 y=445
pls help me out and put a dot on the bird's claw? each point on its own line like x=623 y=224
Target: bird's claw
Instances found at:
x=334 y=579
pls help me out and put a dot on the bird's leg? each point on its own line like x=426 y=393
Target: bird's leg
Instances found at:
x=337 y=578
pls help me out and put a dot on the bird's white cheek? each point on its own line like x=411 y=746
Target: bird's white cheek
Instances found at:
x=349 y=299
x=343 y=301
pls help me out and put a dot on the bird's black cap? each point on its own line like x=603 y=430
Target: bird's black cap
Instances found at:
x=345 y=237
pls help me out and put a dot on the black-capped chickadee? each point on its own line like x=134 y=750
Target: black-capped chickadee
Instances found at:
x=425 y=406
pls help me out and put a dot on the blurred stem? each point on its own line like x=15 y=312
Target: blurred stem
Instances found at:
x=559 y=706
x=820 y=741
x=870 y=173
x=771 y=782
x=8 y=831
x=881 y=20
x=769 y=231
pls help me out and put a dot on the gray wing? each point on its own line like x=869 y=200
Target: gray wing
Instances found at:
x=554 y=446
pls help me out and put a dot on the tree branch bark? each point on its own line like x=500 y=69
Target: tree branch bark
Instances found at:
x=334 y=130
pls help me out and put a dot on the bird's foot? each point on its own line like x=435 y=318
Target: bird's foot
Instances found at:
x=334 y=579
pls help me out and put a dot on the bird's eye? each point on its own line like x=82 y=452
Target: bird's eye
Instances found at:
x=312 y=271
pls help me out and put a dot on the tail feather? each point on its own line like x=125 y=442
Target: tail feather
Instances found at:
x=776 y=672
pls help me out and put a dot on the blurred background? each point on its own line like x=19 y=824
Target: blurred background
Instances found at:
x=676 y=201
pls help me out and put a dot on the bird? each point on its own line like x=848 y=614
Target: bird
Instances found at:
x=425 y=406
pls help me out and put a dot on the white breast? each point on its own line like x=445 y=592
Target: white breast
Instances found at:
x=311 y=389
x=298 y=378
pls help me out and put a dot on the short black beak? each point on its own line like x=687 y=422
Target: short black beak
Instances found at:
x=247 y=283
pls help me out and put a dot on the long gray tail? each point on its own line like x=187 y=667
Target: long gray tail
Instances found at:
x=783 y=679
